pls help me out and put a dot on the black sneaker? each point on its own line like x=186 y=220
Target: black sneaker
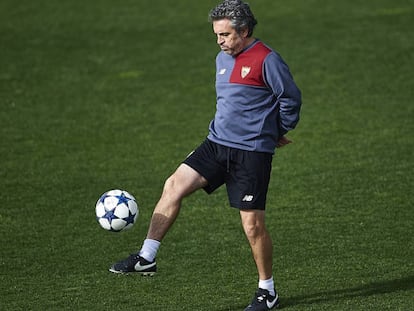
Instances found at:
x=263 y=301
x=135 y=263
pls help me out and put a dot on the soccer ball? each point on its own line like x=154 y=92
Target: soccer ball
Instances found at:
x=116 y=210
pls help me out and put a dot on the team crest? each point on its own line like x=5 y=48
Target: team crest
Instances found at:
x=245 y=71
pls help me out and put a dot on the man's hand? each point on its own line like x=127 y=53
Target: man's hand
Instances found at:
x=283 y=141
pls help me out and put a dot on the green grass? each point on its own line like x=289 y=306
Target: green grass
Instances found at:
x=98 y=95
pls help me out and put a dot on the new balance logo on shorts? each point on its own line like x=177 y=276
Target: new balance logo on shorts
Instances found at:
x=247 y=198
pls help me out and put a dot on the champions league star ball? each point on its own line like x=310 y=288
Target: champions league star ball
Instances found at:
x=116 y=210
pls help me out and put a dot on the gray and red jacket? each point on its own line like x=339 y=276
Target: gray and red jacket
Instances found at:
x=257 y=99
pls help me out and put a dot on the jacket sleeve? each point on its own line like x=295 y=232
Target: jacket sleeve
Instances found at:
x=288 y=96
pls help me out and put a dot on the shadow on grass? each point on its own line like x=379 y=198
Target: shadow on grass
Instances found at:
x=376 y=288
x=370 y=289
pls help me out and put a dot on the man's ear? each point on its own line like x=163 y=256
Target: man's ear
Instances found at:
x=244 y=32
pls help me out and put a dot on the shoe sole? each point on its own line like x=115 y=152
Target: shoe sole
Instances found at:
x=276 y=306
x=142 y=273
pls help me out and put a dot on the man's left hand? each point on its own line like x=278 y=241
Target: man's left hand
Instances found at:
x=283 y=141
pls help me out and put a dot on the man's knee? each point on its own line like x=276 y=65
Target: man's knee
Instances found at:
x=184 y=181
x=253 y=224
x=254 y=230
x=170 y=187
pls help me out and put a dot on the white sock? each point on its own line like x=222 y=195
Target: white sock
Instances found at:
x=269 y=285
x=149 y=249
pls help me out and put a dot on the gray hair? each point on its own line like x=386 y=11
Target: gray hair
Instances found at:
x=237 y=12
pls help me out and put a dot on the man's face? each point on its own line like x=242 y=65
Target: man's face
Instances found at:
x=228 y=39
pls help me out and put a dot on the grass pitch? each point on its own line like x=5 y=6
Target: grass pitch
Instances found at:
x=99 y=95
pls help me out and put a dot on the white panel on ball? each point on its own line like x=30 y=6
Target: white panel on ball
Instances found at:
x=116 y=210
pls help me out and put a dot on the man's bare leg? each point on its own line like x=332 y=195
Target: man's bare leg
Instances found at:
x=253 y=222
x=184 y=181
x=181 y=183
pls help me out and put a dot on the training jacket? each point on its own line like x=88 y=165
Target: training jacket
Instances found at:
x=257 y=100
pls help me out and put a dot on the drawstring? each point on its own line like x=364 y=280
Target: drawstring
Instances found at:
x=228 y=160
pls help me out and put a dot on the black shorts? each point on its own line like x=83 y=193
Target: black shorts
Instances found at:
x=245 y=173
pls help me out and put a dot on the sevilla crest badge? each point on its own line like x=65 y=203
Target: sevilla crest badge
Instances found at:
x=245 y=71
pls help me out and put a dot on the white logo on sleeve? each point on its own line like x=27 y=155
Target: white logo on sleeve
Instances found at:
x=248 y=198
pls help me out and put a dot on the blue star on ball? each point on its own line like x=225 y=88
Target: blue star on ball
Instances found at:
x=123 y=199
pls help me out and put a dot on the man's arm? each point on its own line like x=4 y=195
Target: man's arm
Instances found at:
x=280 y=80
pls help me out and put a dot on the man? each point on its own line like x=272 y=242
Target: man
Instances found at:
x=257 y=104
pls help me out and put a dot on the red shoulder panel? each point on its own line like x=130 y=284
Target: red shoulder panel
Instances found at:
x=248 y=66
